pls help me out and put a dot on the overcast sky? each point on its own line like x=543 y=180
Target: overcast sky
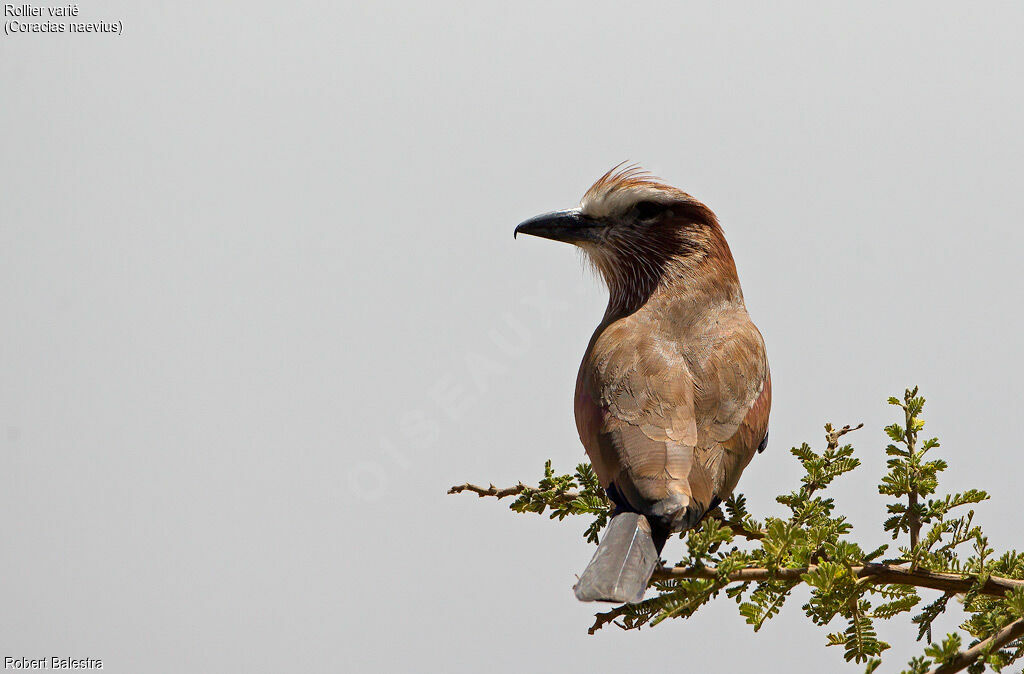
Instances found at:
x=262 y=306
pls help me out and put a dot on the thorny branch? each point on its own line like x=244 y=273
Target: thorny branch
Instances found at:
x=963 y=659
x=893 y=574
x=878 y=573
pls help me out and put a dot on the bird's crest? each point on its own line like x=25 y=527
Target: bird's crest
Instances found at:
x=622 y=187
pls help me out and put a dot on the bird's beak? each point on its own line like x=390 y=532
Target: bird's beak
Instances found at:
x=570 y=226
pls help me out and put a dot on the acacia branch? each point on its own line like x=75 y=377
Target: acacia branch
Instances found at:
x=963 y=659
x=995 y=586
x=698 y=583
x=891 y=574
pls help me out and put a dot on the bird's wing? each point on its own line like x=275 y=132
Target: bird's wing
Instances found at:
x=732 y=402
x=673 y=423
x=635 y=414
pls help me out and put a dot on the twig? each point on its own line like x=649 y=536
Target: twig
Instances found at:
x=737 y=529
x=963 y=659
x=494 y=491
x=687 y=608
x=832 y=435
x=552 y=499
x=913 y=519
x=602 y=619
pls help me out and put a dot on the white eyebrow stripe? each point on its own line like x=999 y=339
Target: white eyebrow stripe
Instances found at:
x=616 y=200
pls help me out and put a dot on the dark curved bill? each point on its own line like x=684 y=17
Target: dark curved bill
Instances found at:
x=570 y=226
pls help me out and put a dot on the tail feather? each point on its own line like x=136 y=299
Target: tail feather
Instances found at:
x=623 y=564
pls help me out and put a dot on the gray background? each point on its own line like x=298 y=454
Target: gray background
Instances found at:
x=261 y=306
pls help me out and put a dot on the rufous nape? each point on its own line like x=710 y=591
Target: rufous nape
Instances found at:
x=673 y=394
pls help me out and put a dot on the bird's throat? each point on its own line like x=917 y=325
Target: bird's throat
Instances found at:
x=703 y=277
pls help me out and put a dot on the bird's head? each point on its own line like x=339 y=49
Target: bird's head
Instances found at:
x=640 y=234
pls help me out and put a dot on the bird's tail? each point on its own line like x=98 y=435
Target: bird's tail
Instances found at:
x=623 y=563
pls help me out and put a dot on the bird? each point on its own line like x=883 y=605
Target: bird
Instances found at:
x=674 y=391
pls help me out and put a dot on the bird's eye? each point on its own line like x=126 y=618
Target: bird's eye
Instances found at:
x=645 y=210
